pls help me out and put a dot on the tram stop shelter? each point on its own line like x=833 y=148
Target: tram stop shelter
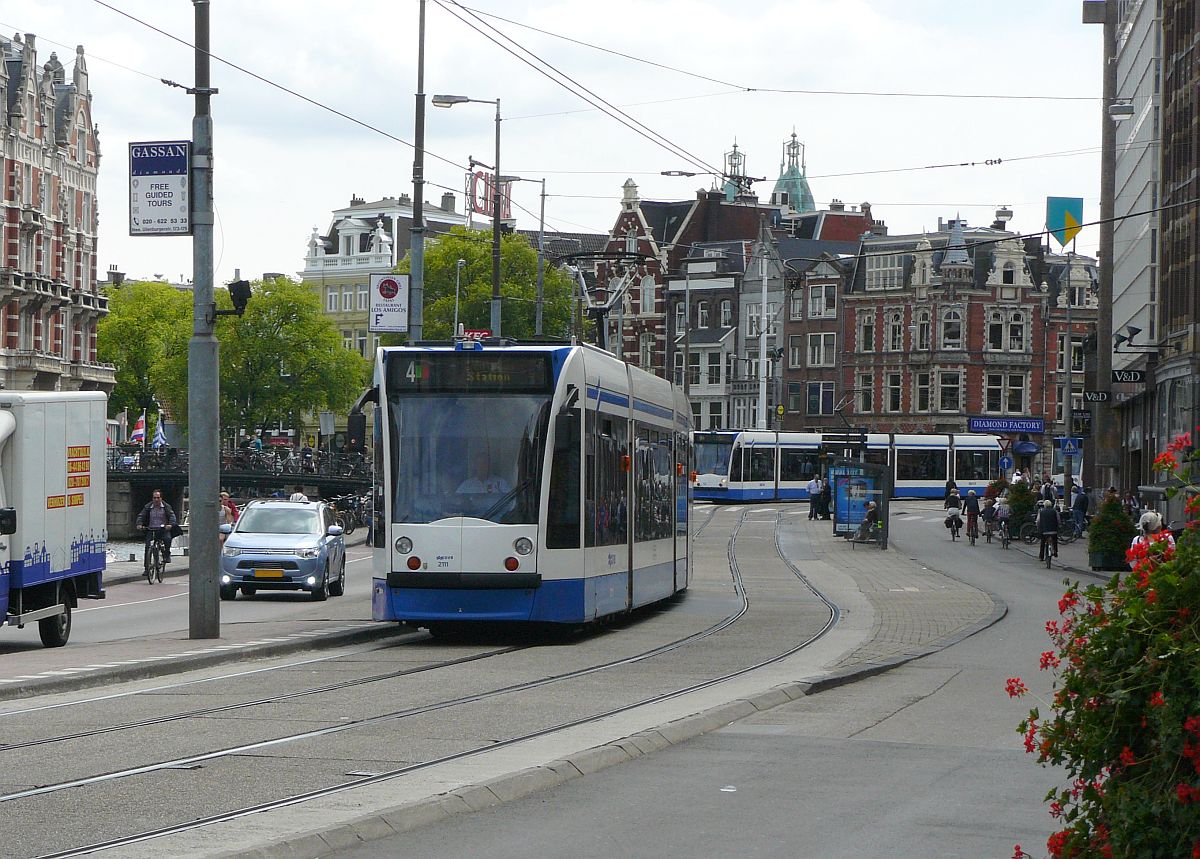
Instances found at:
x=854 y=484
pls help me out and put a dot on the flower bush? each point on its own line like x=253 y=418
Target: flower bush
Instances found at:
x=996 y=488
x=1021 y=501
x=1111 y=530
x=1124 y=720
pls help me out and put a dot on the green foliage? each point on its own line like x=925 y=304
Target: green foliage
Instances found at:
x=281 y=359
x=1021 y=501
x=1111 y=530
x=996 y=488
x=132 y=337
x=518 y=287
x=1124 y=719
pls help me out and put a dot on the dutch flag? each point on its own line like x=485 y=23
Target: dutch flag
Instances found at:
x=139 y=430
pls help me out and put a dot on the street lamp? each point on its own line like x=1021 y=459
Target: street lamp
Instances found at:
x=450 y=101
x=458 y=267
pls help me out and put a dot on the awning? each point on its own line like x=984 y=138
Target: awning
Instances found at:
x=1026 y=448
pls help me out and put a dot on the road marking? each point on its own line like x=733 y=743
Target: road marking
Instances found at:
x=124 y=604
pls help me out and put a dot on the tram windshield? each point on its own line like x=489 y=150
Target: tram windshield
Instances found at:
x=712 y=454
x=468 y=436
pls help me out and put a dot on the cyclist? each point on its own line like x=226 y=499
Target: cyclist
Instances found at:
x=1047 y=526
x=1079 y=509
x=156 y=519
x=1003 y=512
x=971 y=508
x=1151 y=532
x=953 y=503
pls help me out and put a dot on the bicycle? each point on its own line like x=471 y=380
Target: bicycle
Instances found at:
x=1005 y=536
x=972 y=528
x=955 y=526
x=1045 y=552
x=156 y=551
x=1069 y=531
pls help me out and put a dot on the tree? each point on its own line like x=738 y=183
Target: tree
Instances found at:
x=281 y=359
x=132 y=337
x=518 y=287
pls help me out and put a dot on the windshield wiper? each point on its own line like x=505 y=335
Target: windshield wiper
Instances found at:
x=507 y=497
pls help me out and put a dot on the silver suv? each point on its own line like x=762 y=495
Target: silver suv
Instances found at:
x=284 y=545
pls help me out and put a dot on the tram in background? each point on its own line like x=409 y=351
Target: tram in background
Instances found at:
x=758 y=465
x=526 y=483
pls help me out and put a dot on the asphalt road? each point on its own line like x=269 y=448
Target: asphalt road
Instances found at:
x=920 y=761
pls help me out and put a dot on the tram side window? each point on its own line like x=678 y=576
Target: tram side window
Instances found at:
x=762 y=464
x=877 y=457
x=798 y=465
x=975 y=465
x=607 y=504
x=920 y=464
x=735 y=465
x=653 y=485
x=562 y=520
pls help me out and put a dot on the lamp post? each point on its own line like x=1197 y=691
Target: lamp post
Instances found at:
x=458 y=267
x=450 y=101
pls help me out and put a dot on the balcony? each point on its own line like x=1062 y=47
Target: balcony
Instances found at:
x=93 y=375
x=335 y=264
x=35 y=361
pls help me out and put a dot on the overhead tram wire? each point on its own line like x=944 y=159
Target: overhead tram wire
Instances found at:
x=295 y=94
x=592 y=98
x=779 y=90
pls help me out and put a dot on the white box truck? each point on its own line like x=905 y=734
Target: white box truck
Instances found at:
x=53 y=502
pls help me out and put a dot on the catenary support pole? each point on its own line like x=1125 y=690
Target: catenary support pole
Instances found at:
x=497 y=214
x=204 y=613
x=416 y=297
x=541 y=277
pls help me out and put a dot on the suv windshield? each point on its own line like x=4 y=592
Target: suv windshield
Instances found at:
x=476 y=455
x=278 y=520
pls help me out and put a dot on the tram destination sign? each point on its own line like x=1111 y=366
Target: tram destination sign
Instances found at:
x=159 y=202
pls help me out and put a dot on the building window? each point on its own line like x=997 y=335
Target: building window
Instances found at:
x=730 y=366
x=696 y=414
x=866 y=394
x=646 y=297
x=714 y=368
x=885 y=271
x=702 y=314
x=1076 y=353
x=1060 y=396
x=752 y=314
x=679 y=318
x=1016 y=333
x=821 y=350
x=866 y=331
x=678 y=375
x=1009 y=275
x=796 y=350
x=645 y=344
x=895 y=331
x=772 y=318
x=714 y=416
x=361 y=337
x=820 y=398
x=347 y=300
x=363 y=296
x=795 y=396
x=348 y=339
x=951 y=330
x=921 y=398
x=949 y=391
x=1016 y=394
x=923 y=331
x=892 y=394
x=995 y=340
x=797 y=303
x=726 y=313
x=331 y=301
x=822 y=301
x=993 y=394
x=693 y=368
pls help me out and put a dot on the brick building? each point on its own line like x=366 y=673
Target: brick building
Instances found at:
x=920 y=333
x=49 y=298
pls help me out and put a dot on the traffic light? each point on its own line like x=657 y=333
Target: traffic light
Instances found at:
x=239 y=294
x=356 y=433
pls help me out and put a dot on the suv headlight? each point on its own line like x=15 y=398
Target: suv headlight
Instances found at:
x=309 y=553
x=230 y=551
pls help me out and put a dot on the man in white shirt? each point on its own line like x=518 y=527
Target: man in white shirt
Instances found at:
x=814 y=489
x=482 y=481
x=298 y=495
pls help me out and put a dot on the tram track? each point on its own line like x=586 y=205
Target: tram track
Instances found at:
x=741 y=608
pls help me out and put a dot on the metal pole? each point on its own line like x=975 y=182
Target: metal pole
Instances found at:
x=1106 y=460
x=416 y=300
x=687 y=328
x=537 y=322
x=457 y=279
x=204 y=612
x=761 y=423
x=1069 y=405
x=496 y=213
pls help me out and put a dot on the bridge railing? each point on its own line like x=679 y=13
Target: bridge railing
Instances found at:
x=276 y=461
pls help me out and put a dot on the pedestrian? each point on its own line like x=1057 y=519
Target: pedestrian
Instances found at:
x=298 y=494
x=814 y=499
x=256 y=442
x=1048 y=492
x=228 y=513
x=950 y=484
x=1151 y=536
x=1018 y=477
x=1079 y=509
x=870 y=520
x=1132 y=506
x=826 y=498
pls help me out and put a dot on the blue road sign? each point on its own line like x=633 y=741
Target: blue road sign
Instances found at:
x=1006 y=463
x=1069 y=446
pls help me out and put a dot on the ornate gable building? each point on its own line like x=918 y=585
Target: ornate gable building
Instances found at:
x=49 y=298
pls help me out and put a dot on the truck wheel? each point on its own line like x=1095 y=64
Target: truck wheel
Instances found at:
x=56 y=630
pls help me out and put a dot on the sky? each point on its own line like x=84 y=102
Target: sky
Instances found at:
x=868 y=94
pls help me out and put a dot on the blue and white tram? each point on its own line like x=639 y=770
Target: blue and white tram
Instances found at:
x=759 y=465
x=527 y=483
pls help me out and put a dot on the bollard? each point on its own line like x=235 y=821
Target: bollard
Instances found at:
x=132 y=557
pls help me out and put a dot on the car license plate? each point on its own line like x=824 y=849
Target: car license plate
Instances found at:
x=268 y=574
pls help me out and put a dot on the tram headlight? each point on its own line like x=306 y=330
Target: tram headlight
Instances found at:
x=523 y=545
x=403 y=545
